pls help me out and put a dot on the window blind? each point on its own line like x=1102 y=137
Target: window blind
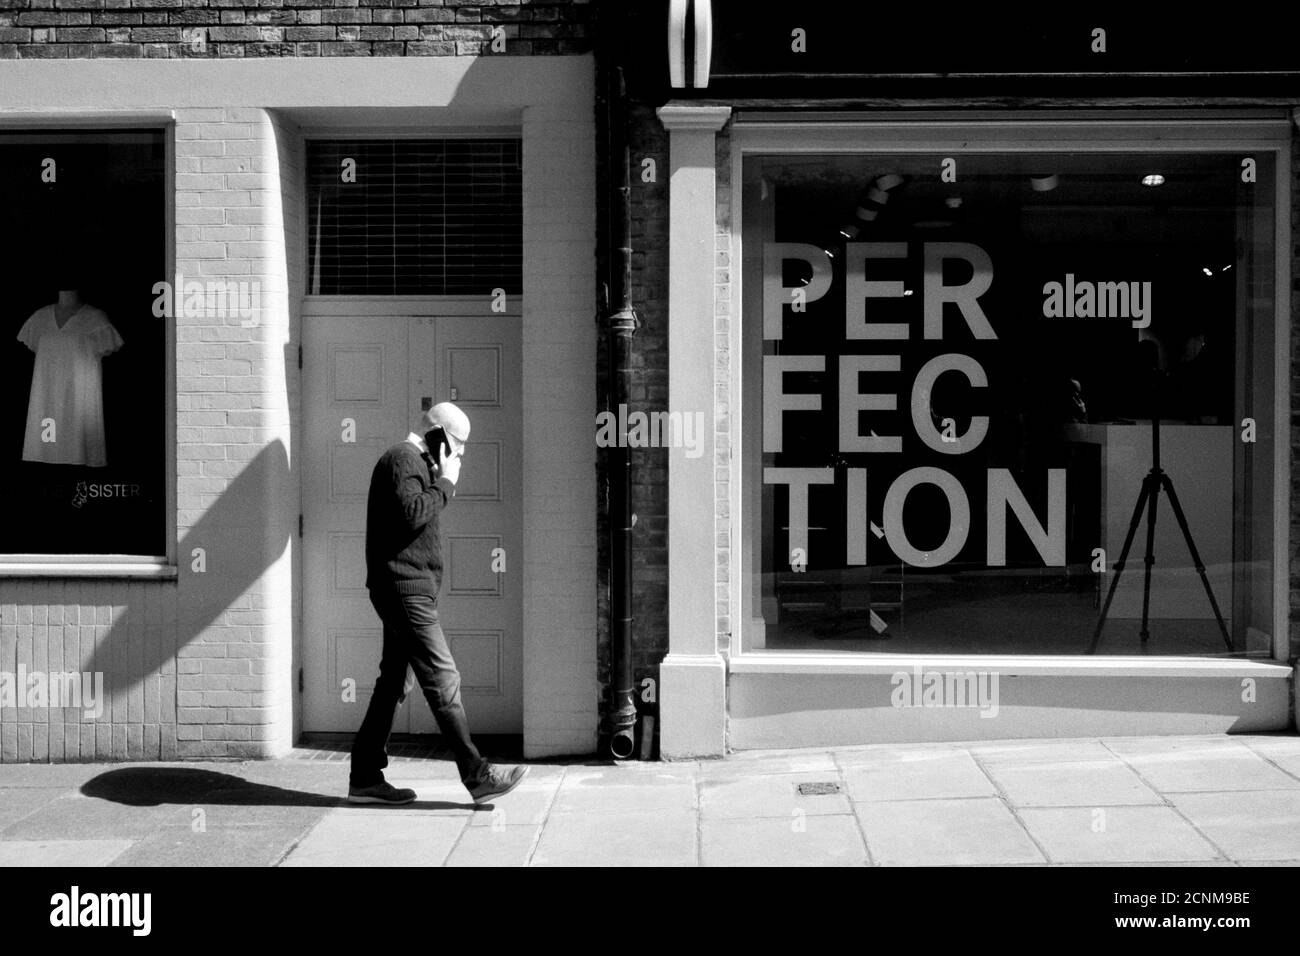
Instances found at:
x=414 y=216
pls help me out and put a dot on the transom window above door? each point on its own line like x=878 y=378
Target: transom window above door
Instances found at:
x=414 y=216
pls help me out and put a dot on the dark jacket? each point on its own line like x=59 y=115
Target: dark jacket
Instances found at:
x=403 y=545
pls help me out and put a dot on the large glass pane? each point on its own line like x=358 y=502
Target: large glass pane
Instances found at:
x=961 y=377
x=82 y=364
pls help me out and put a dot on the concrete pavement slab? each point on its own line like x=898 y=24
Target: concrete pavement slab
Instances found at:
x=377 y=836
x=909 y=774
x=1072 y=783
x=749 y=763
x=979 y=831
x=23 y=802
x=1259 y=825
x=594 y=790
x=1179 y=863
x=793 y=840
x=769 y=796
x=1133 y=834
x=76 y=817
x=1283 y=751
x=248 y=845
x=61 y=852
x=1013 y=803
x=527 y=804
x=660 y=837
x=202 y=815
x=495 y=846
x=1200 y=764
x=17 y=775
x=1031 y=752
x=1267 y=863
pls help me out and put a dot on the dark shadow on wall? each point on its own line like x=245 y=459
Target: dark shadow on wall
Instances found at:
x=241 y=535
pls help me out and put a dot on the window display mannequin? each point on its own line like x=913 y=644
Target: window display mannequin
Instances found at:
x=70 y=338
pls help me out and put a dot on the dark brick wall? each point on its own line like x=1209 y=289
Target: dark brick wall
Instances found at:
x=216 y=29
x=648 y=392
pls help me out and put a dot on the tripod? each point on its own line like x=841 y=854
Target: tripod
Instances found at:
x=1150 y=495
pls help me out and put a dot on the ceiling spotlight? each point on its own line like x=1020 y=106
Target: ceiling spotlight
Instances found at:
x=849 y=231
x=1207 y=271
x=1226 y=268
x=1153 y=179
x=1044 y=183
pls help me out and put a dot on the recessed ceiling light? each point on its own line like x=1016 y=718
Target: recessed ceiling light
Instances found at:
x=1153 y=179
x=1207 y=270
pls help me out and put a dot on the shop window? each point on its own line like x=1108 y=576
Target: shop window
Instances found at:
x=950 y=414
x=83 y=364
x=415 y=216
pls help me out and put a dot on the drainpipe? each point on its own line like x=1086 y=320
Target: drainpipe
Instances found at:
x=623 y=323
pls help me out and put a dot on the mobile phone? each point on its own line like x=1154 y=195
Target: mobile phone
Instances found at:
x=436 y=437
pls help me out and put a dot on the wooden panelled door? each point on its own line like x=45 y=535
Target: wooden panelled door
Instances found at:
x=365 y=380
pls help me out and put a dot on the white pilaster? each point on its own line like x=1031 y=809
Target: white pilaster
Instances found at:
x=693 y=677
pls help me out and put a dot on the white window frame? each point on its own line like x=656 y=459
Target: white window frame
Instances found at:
x=119 y=565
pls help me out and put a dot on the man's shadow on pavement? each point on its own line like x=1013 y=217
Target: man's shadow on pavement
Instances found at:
x=154 y=786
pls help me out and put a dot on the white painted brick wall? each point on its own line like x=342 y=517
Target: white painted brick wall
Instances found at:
x=559 y=341
x=234 y=423
x=292 y=163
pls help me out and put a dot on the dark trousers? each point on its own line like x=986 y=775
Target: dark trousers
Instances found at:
x=412 y=639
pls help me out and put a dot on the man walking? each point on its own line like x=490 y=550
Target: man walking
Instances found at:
x=410 y=487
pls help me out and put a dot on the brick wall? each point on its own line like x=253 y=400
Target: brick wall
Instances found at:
x=561 y=696
x=235 y=493
x=239 y=28
x=648 y=391
x=111 y=627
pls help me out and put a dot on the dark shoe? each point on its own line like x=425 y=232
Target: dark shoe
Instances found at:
x=494 y=782
x=382 y=792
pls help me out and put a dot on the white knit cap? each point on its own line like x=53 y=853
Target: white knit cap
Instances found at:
x=447 y=416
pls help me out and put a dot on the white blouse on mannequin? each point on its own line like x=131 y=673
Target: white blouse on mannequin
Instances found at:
x=67 y=385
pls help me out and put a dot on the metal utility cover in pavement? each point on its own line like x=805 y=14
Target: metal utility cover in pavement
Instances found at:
x=816 y=789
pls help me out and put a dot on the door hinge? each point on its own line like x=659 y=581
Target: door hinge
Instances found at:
x=300 y=682
x=300 y=524
x=299 y=356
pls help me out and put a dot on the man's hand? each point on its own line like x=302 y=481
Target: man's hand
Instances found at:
x=448 y=466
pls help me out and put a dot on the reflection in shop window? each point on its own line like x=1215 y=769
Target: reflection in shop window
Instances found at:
x=954 y=395
x=83 y=463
